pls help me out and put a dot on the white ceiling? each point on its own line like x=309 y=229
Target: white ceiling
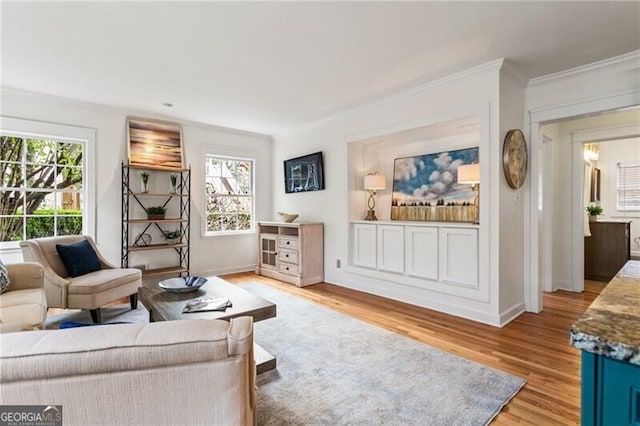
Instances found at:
x=273 y=67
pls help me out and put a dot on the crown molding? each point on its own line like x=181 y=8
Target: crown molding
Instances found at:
x=514 y=72
x=136 y=112
x=494 y=65
x=630 y=59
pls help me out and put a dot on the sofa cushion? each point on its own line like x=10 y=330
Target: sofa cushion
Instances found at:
x=4 y=278
x=103 y=280
x=79 y=258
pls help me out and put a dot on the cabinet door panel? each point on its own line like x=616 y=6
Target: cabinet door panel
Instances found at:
x=421 y=252
x=459 y=256
x=391 y=248
x=364 y=245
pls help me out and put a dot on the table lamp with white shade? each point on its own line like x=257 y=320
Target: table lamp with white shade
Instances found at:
x=372 y=183
x=470 y=174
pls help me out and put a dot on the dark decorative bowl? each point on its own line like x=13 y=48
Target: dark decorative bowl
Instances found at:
x=182 y=284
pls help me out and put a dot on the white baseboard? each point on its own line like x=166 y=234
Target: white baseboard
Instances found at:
x=562 y=285
x=510 y=314
x=424 y=302
x=226 y=270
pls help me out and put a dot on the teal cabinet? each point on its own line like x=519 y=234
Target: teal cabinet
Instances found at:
x=610 y=391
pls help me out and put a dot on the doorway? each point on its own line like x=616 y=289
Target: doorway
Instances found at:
x=561 y=198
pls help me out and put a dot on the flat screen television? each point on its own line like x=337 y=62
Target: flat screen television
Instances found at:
x=304 y=173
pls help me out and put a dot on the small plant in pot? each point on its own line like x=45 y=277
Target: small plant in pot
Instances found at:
x=173 y=237
x=156 y=212
x=594 y=211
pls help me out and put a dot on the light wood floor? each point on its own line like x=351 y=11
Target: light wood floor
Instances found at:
x=533 y=346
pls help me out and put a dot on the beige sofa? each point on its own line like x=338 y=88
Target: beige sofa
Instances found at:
x=24 y=306
x=164 y=373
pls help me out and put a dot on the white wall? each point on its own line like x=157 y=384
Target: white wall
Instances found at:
x=475 y=92
x=208 y=255
x=612 y=153
x=512 y=202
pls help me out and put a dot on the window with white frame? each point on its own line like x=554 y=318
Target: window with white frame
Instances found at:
x=42 y=187
x=229 y=194
x=628 y=187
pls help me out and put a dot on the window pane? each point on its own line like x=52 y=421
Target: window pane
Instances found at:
x=69 y=178
x=213 y=167
x=69 y=225
x=41 y=151
x=69 y=202
x=244 y=221
x=11 y=201
x=244 y=204
x=11 y=148
x=214 y=223
x=243 y=177
x=69 y=154
x=40 y=226
x=11 y=228
x=40 y=175
x=11 y=175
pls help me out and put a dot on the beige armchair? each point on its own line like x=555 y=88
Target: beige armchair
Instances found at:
x=24 y=306
x=89 y=291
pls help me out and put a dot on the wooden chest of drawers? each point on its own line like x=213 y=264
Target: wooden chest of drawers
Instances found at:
x=606 y=250
x=291 y=252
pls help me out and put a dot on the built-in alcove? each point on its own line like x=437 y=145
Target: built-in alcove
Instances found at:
x=427 y=256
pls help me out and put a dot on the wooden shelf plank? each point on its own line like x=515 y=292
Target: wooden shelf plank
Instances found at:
x=171 y=270
x=157 y=194
x=155 y=168
x=174 y=220
x=156 y=247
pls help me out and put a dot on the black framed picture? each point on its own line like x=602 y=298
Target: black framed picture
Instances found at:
x=304 y=173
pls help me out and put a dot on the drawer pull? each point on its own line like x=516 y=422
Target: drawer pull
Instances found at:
x=288 y=242
x=286 y=255
x=287 y=268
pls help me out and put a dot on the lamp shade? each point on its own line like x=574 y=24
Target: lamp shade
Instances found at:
x=374 y=181
x=469 y=173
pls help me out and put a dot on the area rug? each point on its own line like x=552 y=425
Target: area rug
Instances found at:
x=115 y=313
x=337 y=370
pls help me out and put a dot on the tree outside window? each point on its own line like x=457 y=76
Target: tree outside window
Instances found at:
x=41 y=192
x=229 y=194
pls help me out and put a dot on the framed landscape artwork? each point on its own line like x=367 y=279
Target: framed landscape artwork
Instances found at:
x=155 y=144
x=426 y=188
x=304 y=173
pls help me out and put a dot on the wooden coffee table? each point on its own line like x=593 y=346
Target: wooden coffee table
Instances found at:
x=165 y=306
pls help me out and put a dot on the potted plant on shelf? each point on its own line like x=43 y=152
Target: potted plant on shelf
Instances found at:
x=173 y=237
x=594 y=211
x=156 y=212
x=173 y=183
x=144 y=177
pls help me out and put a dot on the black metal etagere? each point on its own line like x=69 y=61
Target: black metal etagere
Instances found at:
x=133 y=228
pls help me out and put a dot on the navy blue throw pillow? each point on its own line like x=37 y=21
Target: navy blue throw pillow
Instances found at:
x=79 y=258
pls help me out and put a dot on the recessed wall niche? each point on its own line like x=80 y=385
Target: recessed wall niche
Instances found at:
x=377 y=154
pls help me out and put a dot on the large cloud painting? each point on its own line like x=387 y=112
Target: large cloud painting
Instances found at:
x=432 y=179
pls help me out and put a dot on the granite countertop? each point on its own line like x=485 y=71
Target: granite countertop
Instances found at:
x=611 y=325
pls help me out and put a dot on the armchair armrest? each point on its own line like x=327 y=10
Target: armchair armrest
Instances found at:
x=25 y=276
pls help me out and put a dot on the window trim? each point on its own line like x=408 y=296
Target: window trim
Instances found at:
x=23 y=128
x=214 y=152
x=619 y=167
